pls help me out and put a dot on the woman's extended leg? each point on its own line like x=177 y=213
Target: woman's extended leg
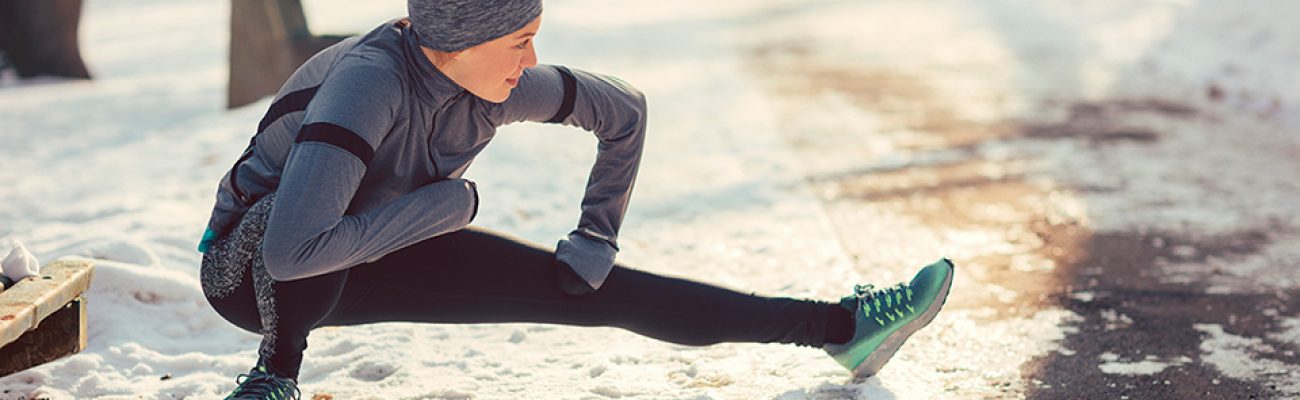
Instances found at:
x=477 y=275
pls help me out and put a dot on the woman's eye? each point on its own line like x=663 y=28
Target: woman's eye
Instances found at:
x=523 y=45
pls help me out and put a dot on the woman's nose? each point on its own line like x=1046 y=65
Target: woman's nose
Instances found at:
x=530 y=58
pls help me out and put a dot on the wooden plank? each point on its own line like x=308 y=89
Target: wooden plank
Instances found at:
x=59 y=334
x=28 y=302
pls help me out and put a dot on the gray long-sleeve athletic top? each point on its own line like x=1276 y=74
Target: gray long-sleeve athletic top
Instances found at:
x=366 y=142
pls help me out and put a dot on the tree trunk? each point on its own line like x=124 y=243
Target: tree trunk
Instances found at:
x=39 y=37
x=269 y=39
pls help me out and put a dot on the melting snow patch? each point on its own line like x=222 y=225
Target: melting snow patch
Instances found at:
x=1242 y=358
x=1292 y=332
x=1115 y=320
x=1112 y=365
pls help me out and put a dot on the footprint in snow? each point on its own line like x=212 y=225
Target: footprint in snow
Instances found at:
x=372 y=371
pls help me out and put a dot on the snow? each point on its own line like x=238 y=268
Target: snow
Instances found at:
x=1243 y=358
x=1149 y=366
x=122 y=169
x=1291 y=333
x=19 y=263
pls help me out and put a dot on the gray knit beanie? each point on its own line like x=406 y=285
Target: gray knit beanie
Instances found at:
x=454 y=25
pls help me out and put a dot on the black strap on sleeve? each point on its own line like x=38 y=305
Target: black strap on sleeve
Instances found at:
x=292 y=102
x=570 y=91
x=338 y=137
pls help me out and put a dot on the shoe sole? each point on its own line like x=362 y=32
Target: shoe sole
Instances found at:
x=890 y=345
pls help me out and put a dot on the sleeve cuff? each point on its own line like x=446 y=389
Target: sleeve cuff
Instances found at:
x=592 y=259
x=473 y=189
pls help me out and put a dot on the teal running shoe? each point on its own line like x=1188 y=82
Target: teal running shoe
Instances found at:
x=262 y=384
x=885 y=318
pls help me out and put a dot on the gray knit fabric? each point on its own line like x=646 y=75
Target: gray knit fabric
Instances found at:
x=454 y=25
x=224 y=266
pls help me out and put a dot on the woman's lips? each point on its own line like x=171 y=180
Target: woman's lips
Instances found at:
x=513 y=81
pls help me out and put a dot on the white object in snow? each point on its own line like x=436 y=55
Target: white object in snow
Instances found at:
x=20 y=263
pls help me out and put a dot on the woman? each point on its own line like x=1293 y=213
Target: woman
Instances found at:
x=348 y=207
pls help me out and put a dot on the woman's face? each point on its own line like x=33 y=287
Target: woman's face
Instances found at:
x=491 y=69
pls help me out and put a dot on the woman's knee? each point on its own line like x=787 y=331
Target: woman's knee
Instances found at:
x=243 y=315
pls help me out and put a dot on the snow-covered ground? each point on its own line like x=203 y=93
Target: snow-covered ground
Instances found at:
x=1166 y=132
x=123 y=169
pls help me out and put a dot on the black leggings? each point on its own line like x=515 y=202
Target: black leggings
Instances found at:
x=479 y=276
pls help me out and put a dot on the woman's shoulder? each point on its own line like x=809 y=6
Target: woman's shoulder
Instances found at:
x=381 y=47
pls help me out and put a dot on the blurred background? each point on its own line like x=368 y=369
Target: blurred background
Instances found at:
x=1115 y=180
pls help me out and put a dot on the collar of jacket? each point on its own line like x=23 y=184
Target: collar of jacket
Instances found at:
x=435 y=87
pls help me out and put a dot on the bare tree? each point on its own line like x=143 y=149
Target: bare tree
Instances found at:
x=269 y=39
x=39 y=37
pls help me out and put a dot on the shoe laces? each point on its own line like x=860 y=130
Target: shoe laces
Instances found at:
x=262 y=384
x=885 y=305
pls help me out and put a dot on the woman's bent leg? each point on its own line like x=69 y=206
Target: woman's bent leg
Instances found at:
x=237 y=285
x=476 y=275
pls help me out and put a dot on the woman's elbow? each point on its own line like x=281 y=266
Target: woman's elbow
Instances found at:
x=636 y=99
x=281 y=268
x=634 y=119
x=285 y=262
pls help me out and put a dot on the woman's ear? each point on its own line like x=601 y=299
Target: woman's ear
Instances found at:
x=456 y=55
x=441 y=58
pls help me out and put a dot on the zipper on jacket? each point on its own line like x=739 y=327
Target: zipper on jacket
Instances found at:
x=433 y=126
